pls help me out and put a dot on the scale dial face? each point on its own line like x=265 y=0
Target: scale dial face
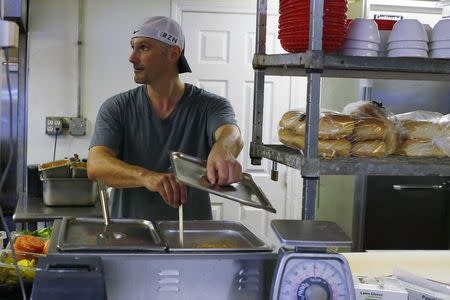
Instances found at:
x=313 y=278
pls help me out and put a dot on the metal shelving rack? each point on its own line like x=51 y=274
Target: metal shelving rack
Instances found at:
x=314 y=64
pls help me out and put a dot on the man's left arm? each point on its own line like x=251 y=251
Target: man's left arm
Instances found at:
x=222 y=167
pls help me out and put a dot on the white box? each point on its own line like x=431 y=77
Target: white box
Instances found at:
x=420 y=293
x=379 y=288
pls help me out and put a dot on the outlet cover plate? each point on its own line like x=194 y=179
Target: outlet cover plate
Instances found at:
x=77 y=126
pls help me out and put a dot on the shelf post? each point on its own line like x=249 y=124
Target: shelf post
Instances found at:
x=258 y=94
x=310 y=173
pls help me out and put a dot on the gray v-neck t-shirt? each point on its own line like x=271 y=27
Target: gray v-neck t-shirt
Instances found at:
x=127 y=124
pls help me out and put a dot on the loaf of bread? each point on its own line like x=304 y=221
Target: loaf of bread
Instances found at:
x=366 y=109
x=332 y=125
x=373 y=123
x=374 y=148
x=421 y=124
x=369 y=128
x=327 y=148
x=391 y=140
x=419 y=147
x=411 y=129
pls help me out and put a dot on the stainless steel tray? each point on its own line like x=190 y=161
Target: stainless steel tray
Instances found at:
x=69 y=191
x=90 y=234
x=192 y=171
x=55 y=169
x=228 y=236
x=79 y=170
x=310 y=234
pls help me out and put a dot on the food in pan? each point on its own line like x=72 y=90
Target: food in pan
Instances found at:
x=223 y=243
x=45 y=232
x=29 y=243
x=26 y=263
x=54 y=164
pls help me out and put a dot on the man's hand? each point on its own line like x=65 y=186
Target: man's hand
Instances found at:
x=173 y=192
x=222 y=168
x=104 y=165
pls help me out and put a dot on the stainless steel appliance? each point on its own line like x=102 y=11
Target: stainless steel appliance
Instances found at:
x=181 y=275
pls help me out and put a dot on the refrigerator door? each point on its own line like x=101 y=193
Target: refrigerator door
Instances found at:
x=407 y=218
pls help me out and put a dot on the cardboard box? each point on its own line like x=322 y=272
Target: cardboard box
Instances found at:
x=374 y=288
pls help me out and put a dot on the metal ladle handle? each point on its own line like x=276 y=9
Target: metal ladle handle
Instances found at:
x=104 y=199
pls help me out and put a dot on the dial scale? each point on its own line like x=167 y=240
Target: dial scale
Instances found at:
x=305 y=275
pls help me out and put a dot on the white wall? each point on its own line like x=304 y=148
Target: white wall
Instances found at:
x=52 y=78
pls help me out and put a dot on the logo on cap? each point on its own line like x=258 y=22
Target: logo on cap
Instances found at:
x=137 y=30
x=168 y=37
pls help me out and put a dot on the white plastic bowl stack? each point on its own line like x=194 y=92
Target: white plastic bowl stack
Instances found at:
x=362 y=39
x=408 y=38
x=440 y=40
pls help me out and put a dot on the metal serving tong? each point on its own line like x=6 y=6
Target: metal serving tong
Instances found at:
x=104 y=201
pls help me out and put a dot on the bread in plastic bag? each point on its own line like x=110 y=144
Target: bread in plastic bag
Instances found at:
x=421 y=125
x=369 y=128
x=374 y=125
x=327 y=148
x=332 y=125
x=373 y=148
x=367 y=109
x=420 y=148
x=423 y=134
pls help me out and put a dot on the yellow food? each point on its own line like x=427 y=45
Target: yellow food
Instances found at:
x=8 y=273
x=225 y=243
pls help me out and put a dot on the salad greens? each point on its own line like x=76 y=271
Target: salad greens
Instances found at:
x=45 y=232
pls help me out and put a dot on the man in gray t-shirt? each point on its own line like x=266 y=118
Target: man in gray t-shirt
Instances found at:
x=135 y=131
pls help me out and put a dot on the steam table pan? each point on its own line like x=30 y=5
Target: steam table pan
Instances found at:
x=69 y=191
x=91 y=234
x=210 y=236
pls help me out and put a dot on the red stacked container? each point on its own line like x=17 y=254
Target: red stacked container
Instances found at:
x=293 y=25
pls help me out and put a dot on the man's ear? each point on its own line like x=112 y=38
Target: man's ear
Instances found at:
x=175 y=53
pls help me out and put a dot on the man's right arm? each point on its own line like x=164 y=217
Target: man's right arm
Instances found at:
x=104 y=165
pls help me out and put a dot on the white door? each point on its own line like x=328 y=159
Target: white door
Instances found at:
x=220 y=48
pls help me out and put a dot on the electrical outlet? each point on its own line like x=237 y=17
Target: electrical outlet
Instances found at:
x=77 y=126
x=54 y=125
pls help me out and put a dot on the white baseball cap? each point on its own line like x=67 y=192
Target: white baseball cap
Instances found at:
x=166 y=30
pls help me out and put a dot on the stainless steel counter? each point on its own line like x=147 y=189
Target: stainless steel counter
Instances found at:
x=200 y=275
x=33 y=209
